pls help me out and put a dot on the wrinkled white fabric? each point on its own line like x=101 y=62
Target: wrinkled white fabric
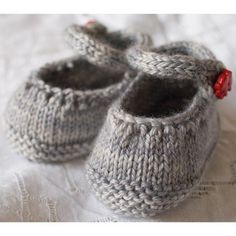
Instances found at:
x=59 y=192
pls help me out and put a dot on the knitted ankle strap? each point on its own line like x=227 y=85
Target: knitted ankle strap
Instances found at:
x=103 y=48
x=180 y=60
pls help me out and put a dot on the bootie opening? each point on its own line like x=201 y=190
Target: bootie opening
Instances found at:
x=158 y=98
x=80 y=75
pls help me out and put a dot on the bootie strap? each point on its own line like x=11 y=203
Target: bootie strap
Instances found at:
x=179 y=61
x=101 y=47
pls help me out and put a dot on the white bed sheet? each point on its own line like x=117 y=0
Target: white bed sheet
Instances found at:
x=59 y=192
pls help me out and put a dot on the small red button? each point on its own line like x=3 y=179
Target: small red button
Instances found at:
x=90 y=22
x=223 y=84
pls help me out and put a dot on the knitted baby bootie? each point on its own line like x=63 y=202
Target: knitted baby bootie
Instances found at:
x=56 y=114
x=157 y=138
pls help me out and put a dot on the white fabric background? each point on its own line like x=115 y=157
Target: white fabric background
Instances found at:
x=59 y=192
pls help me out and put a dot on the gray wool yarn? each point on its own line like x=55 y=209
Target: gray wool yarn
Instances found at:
x=158 y=137
x=104 y=48
x=180 y=59
x=56 y=114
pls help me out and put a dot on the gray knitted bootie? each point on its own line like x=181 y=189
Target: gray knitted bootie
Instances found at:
x=56 y=114
x=157 y=138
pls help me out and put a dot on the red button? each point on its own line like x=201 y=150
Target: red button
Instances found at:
x=223 y=84
x=90 y=22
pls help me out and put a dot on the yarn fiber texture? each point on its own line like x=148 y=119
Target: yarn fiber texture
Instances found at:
x=56 y=114
x=104 y=48
x=182 y=60
x=157 y=138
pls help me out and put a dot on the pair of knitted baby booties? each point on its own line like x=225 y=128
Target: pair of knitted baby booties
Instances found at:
x=151 y=110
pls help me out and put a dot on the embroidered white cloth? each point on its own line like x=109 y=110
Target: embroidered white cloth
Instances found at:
x=59 y=192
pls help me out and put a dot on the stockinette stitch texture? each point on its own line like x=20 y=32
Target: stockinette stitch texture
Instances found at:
x=56 y=114
x=158 y=137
